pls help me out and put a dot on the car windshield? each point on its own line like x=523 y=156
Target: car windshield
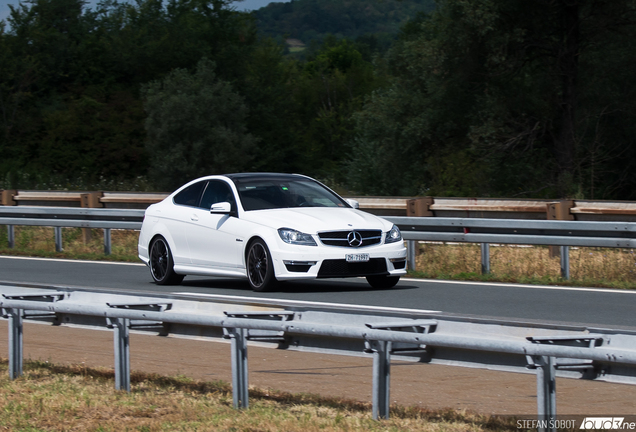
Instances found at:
x=261 y=194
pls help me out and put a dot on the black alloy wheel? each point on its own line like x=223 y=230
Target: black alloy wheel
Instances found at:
x=260 y=269
x=161 y=263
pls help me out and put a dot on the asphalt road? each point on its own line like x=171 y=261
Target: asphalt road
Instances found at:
x=583 y=306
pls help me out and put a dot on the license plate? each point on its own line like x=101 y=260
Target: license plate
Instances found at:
x=357 y=257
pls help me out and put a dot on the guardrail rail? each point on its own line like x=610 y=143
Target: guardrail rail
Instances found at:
x=563 y=234
x=420 y=336
x=560 y=233
x=489 y=208
x=60 y=217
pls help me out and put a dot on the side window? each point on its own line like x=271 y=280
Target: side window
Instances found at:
x=216 y=192
x=190 y=195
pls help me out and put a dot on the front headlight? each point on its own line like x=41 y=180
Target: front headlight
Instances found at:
x=294 y=237
x=393 y=236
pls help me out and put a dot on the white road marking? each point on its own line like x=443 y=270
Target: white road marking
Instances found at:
x=305 y=303
x=504 y=284
x=496 y=284
x=73 y=261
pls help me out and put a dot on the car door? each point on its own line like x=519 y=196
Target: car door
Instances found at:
x=215 y=240
x=177 y=219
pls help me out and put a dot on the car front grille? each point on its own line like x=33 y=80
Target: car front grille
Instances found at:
x=342 y=238
x=342 y=268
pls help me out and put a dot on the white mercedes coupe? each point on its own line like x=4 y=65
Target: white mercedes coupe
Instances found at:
x=267 y=227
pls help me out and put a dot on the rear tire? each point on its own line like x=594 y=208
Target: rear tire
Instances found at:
x=383 y=282
x=161 y=263
x=260 y=268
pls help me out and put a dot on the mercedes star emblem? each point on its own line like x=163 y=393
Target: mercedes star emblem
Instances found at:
x=354 y=238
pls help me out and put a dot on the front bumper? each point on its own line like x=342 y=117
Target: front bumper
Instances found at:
x=312 y=262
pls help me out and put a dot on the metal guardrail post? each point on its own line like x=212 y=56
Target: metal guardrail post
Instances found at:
x=15 y=342
x=11 y=236
x=58 y=239
x=565 y=262
x=121 y=338
x=381 y=378
x=546 y=391
x=485 y=258
x=107 y=242
x=411 y=253
x=238 y=338
x=462 y=338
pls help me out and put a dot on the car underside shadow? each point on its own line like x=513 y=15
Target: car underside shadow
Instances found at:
x=320 y=286
x=199 y=282
x=335 y=286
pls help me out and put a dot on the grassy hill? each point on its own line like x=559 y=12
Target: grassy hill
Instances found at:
x=312 y=20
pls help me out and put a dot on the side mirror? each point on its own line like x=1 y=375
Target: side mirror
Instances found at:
x=221 y=208
x=353 y=203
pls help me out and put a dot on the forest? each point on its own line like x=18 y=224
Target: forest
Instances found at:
x=374 y=22
x=483 y=98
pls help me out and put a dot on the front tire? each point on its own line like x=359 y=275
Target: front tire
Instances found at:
x=260 y=268
x=383 y=282
x=162 y=264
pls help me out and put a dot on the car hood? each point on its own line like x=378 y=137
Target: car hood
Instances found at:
x=312 y=220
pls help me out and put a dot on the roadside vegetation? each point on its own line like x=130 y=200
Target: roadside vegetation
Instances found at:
x=40 y=242
x=488 y=98
x=75 y=398
x=592 y=267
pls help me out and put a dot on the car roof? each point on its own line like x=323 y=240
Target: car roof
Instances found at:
x=264 y=176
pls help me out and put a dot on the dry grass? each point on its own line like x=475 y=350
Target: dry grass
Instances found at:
x=589 y=266
x=74 y=398
x=40 y=241
x=615 y=268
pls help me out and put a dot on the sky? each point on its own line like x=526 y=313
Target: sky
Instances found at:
x=242 y=5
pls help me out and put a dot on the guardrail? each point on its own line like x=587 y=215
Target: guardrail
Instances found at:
x=493 y=208
x=419 y=336
x=465 y=230
x=513 y=231
x=90 y=199
x=59 y=217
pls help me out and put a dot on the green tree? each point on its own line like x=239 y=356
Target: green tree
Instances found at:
x=195 y=126
x=17 y=77
x=149 y=38
x=70 y=77
x=78 y=122
x=508 y=91
x=267 y=85
x=327 y=90
x=310 y=20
